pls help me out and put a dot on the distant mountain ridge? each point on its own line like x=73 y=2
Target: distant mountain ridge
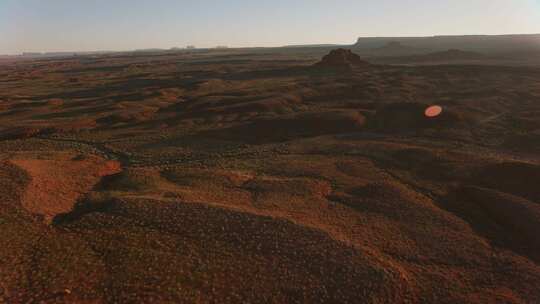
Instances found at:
x=479 y=43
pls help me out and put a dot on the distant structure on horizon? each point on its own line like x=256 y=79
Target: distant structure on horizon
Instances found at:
x=190 y=47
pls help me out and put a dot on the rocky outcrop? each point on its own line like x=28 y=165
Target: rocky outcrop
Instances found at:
x=341 y=58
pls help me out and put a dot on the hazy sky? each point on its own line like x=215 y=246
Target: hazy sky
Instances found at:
x=79 y=25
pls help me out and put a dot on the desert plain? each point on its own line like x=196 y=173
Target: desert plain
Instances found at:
x=269 y=176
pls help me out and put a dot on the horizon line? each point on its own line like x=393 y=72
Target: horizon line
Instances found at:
x=253 y=47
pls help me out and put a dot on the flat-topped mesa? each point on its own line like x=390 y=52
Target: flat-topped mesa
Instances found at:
x=341 y=58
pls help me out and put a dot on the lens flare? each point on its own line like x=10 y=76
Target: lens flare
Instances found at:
x=433 y=111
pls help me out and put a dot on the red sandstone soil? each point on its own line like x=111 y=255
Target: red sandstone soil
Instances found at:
x=56 y=184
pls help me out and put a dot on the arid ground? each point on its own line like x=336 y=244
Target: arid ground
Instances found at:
x=258 y=176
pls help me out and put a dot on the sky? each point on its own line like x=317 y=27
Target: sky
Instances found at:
x=91 y=25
